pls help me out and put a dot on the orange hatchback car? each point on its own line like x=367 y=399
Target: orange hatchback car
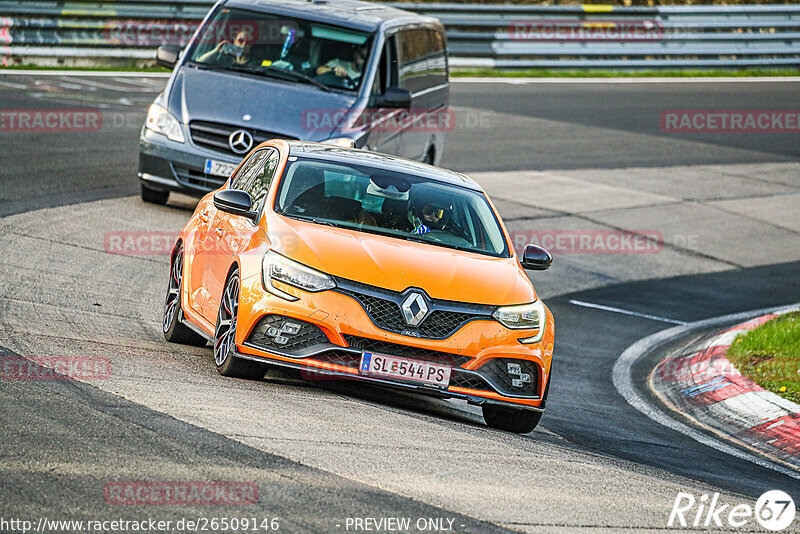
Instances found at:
x=365 y=266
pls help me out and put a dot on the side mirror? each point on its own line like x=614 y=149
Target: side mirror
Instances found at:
x=235 y=202
x=535 y=258
x=394 y=97
x=167 y=56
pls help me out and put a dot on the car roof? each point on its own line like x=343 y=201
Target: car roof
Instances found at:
x=356 y=14
x=377 y=160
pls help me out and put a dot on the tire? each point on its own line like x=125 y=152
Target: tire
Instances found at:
x=511 y=419
x=154 y=196
x=224 y=334
x=174 y=330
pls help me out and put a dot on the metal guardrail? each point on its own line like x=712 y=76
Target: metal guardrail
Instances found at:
x=479 y=35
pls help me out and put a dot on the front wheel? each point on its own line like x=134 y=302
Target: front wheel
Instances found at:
x=228 y=364
x=154 y=196
x=511 y=419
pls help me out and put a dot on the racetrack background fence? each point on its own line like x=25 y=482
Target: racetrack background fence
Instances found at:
x=479 y=35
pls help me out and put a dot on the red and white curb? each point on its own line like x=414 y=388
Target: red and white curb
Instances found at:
x=701 y=383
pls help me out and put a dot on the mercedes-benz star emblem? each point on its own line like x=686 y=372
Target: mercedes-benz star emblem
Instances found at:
x=414 y=309
x=240 y=141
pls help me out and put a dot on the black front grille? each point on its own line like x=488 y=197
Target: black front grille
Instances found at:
x=214 y=135
x=414 y=353
x=339 y=357
x=383 y=307
x=497 y=371
x=198 y=178
x=281 y=334
x=469 y=381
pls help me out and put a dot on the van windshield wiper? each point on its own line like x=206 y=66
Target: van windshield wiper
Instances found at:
x=299 y=76
x=272 y=72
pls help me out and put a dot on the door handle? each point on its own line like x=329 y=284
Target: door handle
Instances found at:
x=219 y=232
x=204 y=216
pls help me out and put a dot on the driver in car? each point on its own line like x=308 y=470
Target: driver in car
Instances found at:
x=344 y=68
x=430 y=217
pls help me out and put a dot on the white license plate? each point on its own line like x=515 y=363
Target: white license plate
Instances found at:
x=385 y=366
x=219 y=168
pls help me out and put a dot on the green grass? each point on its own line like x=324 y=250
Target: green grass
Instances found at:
x=555 y=73
x=495 y=73
x=770 y=355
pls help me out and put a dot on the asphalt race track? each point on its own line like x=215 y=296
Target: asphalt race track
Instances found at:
x=555 y=157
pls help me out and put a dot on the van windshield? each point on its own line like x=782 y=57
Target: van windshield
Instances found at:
x=287 y=47
x=390 y=203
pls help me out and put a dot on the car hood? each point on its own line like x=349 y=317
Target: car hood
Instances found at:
x=286 y=108
x=397 y=264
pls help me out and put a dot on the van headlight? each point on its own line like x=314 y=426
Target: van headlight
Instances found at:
x=161 y=121
x=523 y=317
x=278 y=268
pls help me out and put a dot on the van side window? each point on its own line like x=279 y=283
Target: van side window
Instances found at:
x=386 y=74
x=422 y=59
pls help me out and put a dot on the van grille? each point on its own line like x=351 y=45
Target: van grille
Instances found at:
x=214 y=135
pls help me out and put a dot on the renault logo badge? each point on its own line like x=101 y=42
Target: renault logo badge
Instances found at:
x=240 y=141
x=414 y=308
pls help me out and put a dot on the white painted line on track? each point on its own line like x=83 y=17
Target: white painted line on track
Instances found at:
x=625 y=312
x=122 y=74
x=623 y=382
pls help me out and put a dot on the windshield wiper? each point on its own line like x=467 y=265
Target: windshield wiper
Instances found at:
x=312 y=219
x=288 y=75
x=299 y=76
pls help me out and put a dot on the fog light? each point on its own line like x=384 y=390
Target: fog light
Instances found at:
x=280 y=336
x=518 y=378
x=290 y=328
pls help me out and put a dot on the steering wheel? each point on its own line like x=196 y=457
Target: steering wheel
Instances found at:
x=330 y=79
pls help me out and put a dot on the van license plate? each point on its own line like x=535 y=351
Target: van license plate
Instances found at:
x=219 y=168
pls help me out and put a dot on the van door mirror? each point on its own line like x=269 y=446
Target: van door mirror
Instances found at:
x=235 y=202
x=536 y=258
x=394 y=97
x=167 y=56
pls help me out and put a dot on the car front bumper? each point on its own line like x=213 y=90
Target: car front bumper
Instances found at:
x=167 y=165
x=336 y=330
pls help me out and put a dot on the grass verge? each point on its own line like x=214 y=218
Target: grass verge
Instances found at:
x=770 y=355
x=491 y=73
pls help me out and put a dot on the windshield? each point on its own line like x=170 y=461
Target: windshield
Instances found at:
x=287 y=47
x=390 y=203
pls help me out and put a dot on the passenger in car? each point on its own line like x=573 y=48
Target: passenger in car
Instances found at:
x=346 y=68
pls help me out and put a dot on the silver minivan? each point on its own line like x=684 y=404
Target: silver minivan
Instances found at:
x=343 y=72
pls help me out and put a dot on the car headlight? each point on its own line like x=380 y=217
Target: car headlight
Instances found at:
x=163 y=122
x=279 y=268
x=344 y=142
x=523 y=317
